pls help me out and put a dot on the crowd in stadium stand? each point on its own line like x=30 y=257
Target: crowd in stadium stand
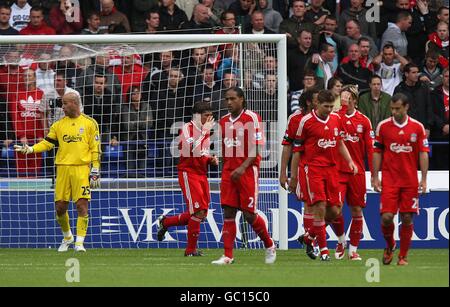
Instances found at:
x=330 y=43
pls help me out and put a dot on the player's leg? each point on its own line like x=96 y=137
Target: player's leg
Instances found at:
x=319 y=229
x=336 y=188
x=388 y=208
x=62 y=198
x=356 y=199
x=81 y=195
x=260 y=228
x=187 y=184
x=409 y=206
x=228 y=235
x=308 y=214
x=194 y=233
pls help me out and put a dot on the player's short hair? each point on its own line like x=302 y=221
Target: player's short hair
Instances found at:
x=356 y=22
x=302 y=31
x=201 y=107
x=93 y=14
x=400 y=97
x=325 y=96
x=432 y=54
x=402 y=15
x=363 y=39
x=331 y=17
x=306 y=96
x=240 y=93
x=223 y=16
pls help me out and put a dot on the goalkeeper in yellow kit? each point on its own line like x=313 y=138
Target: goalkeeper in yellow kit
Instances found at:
x=77 y=166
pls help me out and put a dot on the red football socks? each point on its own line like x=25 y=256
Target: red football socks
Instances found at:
x=406 y=232
x=177 y=220
x=193 y=233
x=356 y=230
x=228 y=236
x=321 y=235
x=388 y=233
x=259 y=226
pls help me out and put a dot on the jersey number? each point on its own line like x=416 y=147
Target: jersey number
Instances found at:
x=252 y=201
x=86 y=191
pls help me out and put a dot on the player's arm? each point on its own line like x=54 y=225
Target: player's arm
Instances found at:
x=285 y=155
x=424 y=163
x=46 y=144
x=346 y=155
x=95 y=150
x=368 y=142
x=294 y=171
x=237 y=173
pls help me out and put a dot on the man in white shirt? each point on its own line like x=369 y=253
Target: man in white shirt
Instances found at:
x=20 y=14
x=45 y=75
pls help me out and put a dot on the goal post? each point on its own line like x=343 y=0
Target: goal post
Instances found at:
x=149 y=44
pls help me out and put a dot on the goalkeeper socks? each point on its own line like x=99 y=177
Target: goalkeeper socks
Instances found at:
x=406 y=232
x=193 y=233
x=259 y=226
x=177 y=220
x=63 y=221
x=356 y=230
x=229 y=235
x=82 y=226
x=308 y=220
x=388 y=233
x=321 y=235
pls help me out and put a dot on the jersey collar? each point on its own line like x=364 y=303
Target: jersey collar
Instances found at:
x=239 y=116
x=195 y=126
x=351 y=115
x=401 y=125
x=319 y=119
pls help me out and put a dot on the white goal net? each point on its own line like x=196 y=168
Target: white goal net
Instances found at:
x=141 y=90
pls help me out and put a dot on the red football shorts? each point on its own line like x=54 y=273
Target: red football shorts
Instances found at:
x=322 y=184
x=243 y=194
x=302 y=191
x=403 y=200
x=195 y=191
x=353 y=189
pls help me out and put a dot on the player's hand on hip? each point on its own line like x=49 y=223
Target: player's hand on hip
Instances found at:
x=237 y=174
x=353 y=168
x=376 y=184
x=23 y=149
x=94 y=178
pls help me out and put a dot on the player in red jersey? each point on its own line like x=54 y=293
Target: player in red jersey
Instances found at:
x=242 y=138
x=307 y=101
x=358 y=139
x=319 y=140
x=400 y=146
x=192 y=176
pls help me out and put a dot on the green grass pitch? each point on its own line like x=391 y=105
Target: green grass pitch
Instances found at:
x=168 y=267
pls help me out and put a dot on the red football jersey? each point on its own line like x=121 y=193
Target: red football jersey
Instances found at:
x=239 y=138
x=26 y=114
x=318 y=139
x=194 y=150
x=292 y=127
x=358 y=139
x=400 y=146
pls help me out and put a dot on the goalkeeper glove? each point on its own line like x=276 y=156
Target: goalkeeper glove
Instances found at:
x=94 y=178
x=23 y=149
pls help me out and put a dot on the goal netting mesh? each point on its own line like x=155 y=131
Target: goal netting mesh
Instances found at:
x=140 y=95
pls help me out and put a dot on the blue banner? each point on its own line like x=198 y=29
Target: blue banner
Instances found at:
x=128 y=219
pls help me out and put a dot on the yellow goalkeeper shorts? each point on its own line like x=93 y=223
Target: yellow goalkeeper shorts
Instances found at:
x=72 y=182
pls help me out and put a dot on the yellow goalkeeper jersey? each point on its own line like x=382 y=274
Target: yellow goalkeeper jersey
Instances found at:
x=78 y=140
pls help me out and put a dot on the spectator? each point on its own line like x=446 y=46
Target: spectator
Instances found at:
x=243 y=9
x=257 y=24
x=442 y=14
x=70 y=68
x=389 y=66
x=188 y=6
x=93 y=24
x=297 y=59
x=37 y=25
x=359 y=13
x=316 y=13
x=365 y=60
x=265 y=100
x=396 y=33
x=431 y=72
x=230 y=62
x=5 y=16
x=159 y=72
x=65 y=18
x=335 y=85
x=45 y=75
x=297 y=23
x=130 y=73
x=439 y=132
x=171 y=16
x=140 y=14
x=272 y=18
x=309 y=81
x=418 y=94
x=228 y=20
x=214 y=12
x=353 y=72
x=218 y=103
x=194 y=67
x=20 y=15
x=153 y=22
x=52 y=99
x=439 y=42
x=269 y=67
x=323 y=69
x=104 y=107
x=137 y=120
x=353 y=36
x=199 y=23
x=375 y=104
x=330 y=27
x=208 y=85
x=111 y=16
x=26 y=113
x=223 y=4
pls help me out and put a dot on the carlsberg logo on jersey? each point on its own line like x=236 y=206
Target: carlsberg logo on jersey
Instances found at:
x=72 y=138
x=399 y=148
x=326 y=143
